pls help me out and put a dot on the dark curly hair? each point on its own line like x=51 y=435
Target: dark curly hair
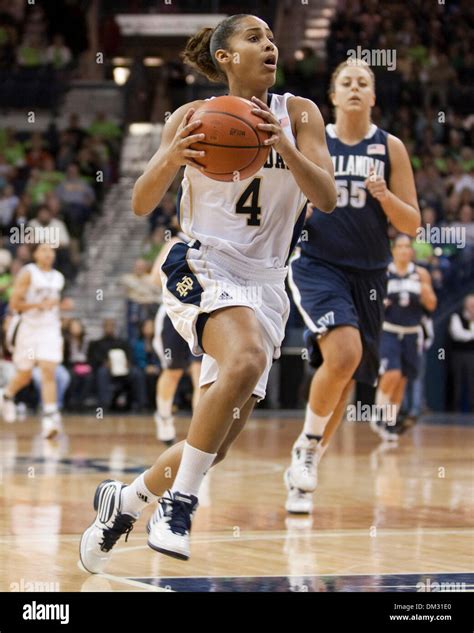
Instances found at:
x=201 y=48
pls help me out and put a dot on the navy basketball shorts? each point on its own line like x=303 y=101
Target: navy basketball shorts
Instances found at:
x=401 y=352
x=329 y=296
x=170 y=347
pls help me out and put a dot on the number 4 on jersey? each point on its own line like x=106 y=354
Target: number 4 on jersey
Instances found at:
x=252 y=209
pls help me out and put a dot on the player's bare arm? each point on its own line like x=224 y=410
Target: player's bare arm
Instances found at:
x=398 y=199
x=17 y=301
x=309 y=161
x=428 y=296
x=174 y=151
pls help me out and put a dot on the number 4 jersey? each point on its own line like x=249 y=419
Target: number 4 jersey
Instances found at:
x=355 y=234
x=258 y=219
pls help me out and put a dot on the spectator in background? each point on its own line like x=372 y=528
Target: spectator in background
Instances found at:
x=31 y=52
x=56 y=234
x=105 y=128
x=77 y=198
x=145 y=358
x=75 y=132
x=75 y=358
x=142 y=297
x=154 y=244
x=8 y=204
x=36 y=154
x=111 y=360
x=6 y=281
x=13 y=149
x=58 y=54
x=461 y=333
x=164 y=212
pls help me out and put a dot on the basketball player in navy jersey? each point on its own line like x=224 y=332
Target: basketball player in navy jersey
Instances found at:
x=241 y=236
x=338 y=273
x=409 y=294
x=174 y=354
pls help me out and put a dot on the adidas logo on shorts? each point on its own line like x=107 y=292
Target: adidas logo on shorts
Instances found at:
x=224 y=295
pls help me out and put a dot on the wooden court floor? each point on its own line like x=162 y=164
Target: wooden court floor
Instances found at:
x=384 y=518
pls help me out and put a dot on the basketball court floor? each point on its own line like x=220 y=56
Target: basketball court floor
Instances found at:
x=385 y=519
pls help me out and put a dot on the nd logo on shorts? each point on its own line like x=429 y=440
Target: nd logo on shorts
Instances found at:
x=184 y=286
x=181 y=281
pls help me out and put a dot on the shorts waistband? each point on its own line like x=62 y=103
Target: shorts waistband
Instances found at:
x=401 y=329
x=243 y=268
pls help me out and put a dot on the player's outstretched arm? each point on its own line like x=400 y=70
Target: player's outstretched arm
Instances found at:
x=309 y=162
x=174 y=151
x=398 y=199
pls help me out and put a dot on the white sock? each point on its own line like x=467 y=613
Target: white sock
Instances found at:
x=194 y=465
x=50 y=408
x=314 y=424
x=164 y=407
x=136 y=496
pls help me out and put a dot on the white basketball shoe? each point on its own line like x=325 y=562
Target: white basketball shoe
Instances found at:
x=109 y=525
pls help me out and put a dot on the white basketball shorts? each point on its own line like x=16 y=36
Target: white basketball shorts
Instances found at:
x=199 y=280
x=33 y=344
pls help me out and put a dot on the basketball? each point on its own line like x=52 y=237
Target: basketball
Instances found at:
x=233 y=141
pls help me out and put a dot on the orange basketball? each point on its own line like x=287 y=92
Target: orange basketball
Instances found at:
x=233 y=143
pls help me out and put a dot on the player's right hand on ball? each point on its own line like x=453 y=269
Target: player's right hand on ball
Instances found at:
x=179 y=151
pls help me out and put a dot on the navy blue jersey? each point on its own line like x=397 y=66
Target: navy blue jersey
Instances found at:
x=354 y=235
x=404 y=296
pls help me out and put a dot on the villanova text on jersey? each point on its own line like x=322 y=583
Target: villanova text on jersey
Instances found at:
x=355 y=234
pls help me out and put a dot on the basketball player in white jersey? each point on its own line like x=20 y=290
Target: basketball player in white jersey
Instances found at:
x=174 y=354
x=242 y=235
x=36 y=336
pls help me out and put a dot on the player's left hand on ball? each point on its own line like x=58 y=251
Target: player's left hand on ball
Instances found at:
x=278 y=138
x=376 y=186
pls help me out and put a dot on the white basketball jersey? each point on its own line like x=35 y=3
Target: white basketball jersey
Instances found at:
x=252 y=219
x=44 y=284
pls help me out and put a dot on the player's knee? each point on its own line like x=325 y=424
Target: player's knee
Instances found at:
x=345 y=361
x=245 y=368
x=48 y=373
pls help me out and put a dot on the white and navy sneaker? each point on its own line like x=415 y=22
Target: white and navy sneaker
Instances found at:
x=170 y=525
x=8 y=408
x=165 y=431
x=298 y=501
x=305 y=457
x=51 y=425
x=109 y=525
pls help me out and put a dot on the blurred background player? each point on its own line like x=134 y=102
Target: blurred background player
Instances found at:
x=174 y=354
x=409 y=294
x=35 y=335
x=339 y=282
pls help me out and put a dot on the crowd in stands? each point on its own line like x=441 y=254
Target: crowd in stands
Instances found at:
x=56 y=181
x=50 y=179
